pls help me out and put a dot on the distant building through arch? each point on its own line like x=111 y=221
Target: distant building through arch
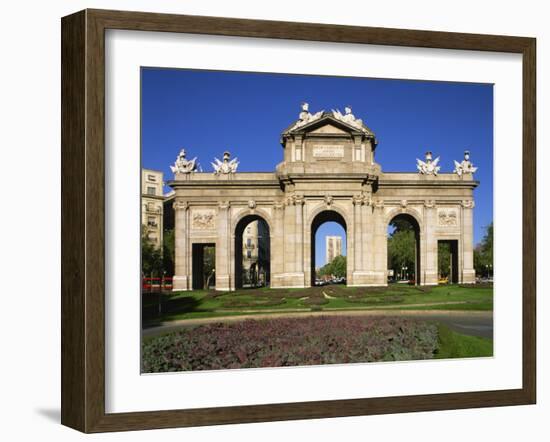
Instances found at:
x=333 y=247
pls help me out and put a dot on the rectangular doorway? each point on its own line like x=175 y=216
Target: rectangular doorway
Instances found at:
x=203 y=266
x=447 y=261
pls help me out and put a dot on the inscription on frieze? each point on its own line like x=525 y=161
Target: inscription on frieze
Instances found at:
x=329 y=151
x=203 y=219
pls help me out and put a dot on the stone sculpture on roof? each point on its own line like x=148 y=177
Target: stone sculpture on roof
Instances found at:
x=465 y=166
x=428 y=167
x=182 y=165
x=226 y=166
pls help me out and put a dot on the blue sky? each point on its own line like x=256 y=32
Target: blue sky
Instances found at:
x=207 y=112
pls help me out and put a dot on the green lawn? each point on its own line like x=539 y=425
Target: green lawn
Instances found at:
x=455 y=345
x=201 y=303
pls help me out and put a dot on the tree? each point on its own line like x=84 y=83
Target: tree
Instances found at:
x=151 y=256
x=337 y=267
x=444 y=259
x=209 y=266
x=483 y=253
x=168 y=252
x=401 y=250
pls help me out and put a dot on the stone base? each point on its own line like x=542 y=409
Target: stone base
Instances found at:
x=430 y=278
x=366 y=279
x=468 y=276
x=223 y=283
x=288 y=280
x=181 y=283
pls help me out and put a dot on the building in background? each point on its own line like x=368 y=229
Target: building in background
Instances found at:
x=255 y=254
x=333 y=247
x=152 y=199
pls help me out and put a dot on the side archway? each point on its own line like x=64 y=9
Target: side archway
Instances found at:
x=404 y=247
x=252 y=252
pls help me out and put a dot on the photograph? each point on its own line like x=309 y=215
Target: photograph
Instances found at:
x=297 y=220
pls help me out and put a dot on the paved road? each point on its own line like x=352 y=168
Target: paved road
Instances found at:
x=473 y=323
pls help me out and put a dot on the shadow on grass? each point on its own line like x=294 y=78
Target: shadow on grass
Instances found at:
x=157 y=305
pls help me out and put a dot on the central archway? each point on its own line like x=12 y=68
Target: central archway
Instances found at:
x=321 y=218
x=252 y=252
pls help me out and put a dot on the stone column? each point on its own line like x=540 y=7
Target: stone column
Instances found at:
x=468 y=274
x=181 y=279
x=289 y=265
x=367 y=238
x=277 y=246
x=299 y=207
x=358 y=237
x=428 y=245
x=223 y=249
x=380 y=245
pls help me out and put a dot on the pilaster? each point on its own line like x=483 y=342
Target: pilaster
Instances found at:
x=428 y=246
x=182 y=250
x=223 y=249
x=468 y=274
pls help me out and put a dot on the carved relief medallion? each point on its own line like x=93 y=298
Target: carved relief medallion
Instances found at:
x=447 y=217
x=203 y=219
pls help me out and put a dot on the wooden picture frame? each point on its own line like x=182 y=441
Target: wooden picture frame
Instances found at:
x=83 y=220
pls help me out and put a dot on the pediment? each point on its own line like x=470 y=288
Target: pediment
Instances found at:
x=328 y=123
x=328 y=129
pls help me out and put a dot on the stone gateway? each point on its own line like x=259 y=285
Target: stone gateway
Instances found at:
x=328 y=173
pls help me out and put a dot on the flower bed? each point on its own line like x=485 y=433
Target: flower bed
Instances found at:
x=290 y=342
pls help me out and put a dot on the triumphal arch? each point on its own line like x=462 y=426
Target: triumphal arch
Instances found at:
x=328 y=173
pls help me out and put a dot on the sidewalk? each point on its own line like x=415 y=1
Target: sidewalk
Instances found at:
x=473 y=323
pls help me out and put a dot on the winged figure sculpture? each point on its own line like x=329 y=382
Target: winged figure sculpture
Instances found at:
x=465 y=166
x=183 y=165
x=428 y=167
x=226 y=166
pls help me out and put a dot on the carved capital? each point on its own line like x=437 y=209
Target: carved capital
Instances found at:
x=378 y=204
x=279 y=205
x=180 y=205
x=224 y=205
x=298 y=200
x=468 y=204
x=429 y=204
x=358 y=200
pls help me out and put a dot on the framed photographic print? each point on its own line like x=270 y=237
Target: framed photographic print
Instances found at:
x=269 y=220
